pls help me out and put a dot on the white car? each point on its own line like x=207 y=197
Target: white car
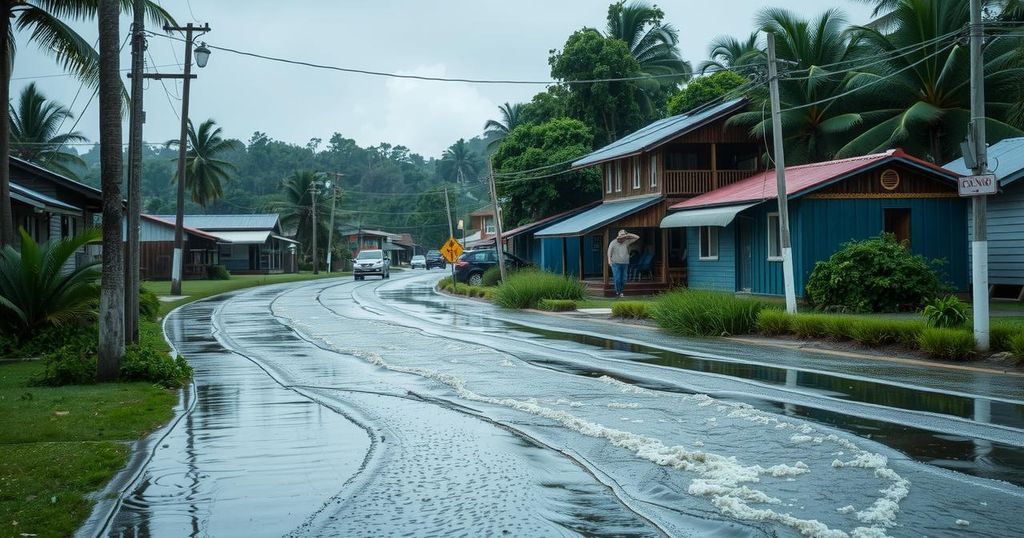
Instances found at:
x=371 y=262
x=418 y=260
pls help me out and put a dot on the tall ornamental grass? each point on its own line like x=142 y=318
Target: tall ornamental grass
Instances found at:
x=525 y=289
x=706 y=313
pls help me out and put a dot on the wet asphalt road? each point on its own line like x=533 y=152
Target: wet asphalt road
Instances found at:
x=380 y=408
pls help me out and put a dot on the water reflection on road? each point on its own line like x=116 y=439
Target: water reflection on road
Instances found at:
x=381 y=408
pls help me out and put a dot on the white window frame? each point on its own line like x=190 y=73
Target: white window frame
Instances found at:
x=712 y=236
x=774 y=238
x=636 y=173
x=618 y=176
x=489 y=225
x=654 y=171
x=608 y=177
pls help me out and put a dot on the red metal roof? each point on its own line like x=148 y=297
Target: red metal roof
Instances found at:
x=800 y=179
x=194 y=231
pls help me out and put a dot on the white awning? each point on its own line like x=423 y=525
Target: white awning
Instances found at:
x=285 y=239
x=257 y=237
x=707 y=216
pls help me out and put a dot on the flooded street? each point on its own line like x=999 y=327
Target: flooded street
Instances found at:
x=381 y=408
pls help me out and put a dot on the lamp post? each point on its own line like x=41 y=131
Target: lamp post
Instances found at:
x=334 y=202
x=313 y=190
x=202 y=54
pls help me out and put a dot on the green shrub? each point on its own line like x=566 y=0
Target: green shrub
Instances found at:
x=73 y=362
x=526 y=288
x=557 y=305
x=47 y=339
x=705 y=313
x=146 y=363
x=817 y=326
x=631 y=310
x=217 y=272
x=948 y=344
x=491 y=277
x=773 y=322
x=948 y=311
x=874 y=275
x=884 y=332
x=1001 y=332
x=1016 y=347
x=149 y=304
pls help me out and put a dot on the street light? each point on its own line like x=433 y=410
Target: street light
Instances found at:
x=202 y=55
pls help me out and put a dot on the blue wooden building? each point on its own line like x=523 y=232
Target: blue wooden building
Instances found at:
x=732 y=233
x=1005 y=218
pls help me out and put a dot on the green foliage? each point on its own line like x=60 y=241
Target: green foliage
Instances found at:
x=816 y=326
x=947 y=344
x=1016 y=347
x=491 y=277
x=217 y=272
x=73 y=363
x=34 y=136
x=631 y=310
x=705 y=313
x=556 y=305
x=532 y=146
x=46 y=339
x=149 y=304
x=703 y=90
x=1001 y=332
x=205 y=171
x=459 y=164
x=874 y=275
x=773 y=322
x=526 y=288
x=36 y=293
x=875 y=332
x=948 y=311
x=149 y=364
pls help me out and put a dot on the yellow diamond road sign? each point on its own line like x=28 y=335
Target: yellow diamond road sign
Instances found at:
x=451 y=250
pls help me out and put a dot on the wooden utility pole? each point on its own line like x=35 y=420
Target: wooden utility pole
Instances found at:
x=334 y=203
x=979 y=243
x=780 y=180
x=137 y=118
x=313 y=190
x=500 y=250
x=451 y=230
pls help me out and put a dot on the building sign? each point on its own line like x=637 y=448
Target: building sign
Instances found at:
x=978 y=185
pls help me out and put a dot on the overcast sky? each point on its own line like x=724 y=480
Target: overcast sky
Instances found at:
x=480 y=39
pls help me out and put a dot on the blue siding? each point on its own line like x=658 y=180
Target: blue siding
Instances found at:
x=766 y=275
x=1005 y=235
x=717 y=274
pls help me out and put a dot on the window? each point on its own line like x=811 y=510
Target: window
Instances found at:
x=654 y=171
x=618 y=176
x=635 y=161
x=708 y=242
x=225 y=251
x=774 y=237
x=489 y=226
x=608 y=177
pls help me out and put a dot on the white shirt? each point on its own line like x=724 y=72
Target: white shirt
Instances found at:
x=618 y=252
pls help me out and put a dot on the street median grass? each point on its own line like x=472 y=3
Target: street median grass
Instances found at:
x=631 y=310
x=526 y=288
x=706 y=313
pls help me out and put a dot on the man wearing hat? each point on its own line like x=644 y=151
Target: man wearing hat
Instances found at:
x=618 y=258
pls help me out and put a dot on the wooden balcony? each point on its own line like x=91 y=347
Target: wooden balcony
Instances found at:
x=694 y=182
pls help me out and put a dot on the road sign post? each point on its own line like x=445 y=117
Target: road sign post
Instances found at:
x=451 y=251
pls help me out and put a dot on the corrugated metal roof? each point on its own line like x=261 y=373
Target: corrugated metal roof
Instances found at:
x=40 y=200
x=598 y=216
x=659 y=132
x=90 y=192
x=800 y=179
x=212 y=223
x=1005 y=159
x=189 y=229
x=526 y=228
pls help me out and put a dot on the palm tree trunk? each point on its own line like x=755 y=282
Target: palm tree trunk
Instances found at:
x=111 y=337
x=6 y=213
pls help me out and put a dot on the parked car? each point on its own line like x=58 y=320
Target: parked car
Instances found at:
x=435 y=259
x=371 y=262
x=418 y=260
x=470 y=267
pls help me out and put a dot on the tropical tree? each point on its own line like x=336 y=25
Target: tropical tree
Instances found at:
x=34 y=125
x=655 y=46
x=703 y=90
x=820 y=52
x=920 y=86
x=45 y=23
x=36 y=291
x=511 y=117
x=295 y=206
x=459 y=163
x=205 y=173
x=727 y=52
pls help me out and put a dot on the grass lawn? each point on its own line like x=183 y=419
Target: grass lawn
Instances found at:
x=199 y=289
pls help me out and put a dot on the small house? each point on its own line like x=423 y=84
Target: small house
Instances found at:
x=247 y=244
x=733 y=240
x=156 y=250
x=1005 y=218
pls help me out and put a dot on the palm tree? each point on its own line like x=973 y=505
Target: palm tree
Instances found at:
x=654 y=45
x=728 y=52
x=499 y=129
x=205 y=172
x=813 y=126
x=923 y=94
x=295 y=206
x=41 y=21
x=34 y=135
x=459 y=163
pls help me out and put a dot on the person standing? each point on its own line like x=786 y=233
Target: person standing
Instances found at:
x=618 y=259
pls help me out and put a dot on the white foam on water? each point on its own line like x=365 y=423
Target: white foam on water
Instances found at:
x=623 y=405
x=963 y=522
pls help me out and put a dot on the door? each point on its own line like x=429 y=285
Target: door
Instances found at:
x=254 y=257
x=897 y=222
x=745 y=252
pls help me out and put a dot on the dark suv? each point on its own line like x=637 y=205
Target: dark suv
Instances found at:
x=435 y=259
x=470 y=267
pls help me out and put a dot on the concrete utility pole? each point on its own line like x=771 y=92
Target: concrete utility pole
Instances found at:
x=979 y=244
x=334 y=203
x=497 y=220
x=780 y=180
x=313 y=190
x=131 y=276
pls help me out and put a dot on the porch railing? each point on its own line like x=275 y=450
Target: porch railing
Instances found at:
x=694 y=182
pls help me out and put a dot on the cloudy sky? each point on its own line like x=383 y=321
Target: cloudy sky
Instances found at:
x=479 y=39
